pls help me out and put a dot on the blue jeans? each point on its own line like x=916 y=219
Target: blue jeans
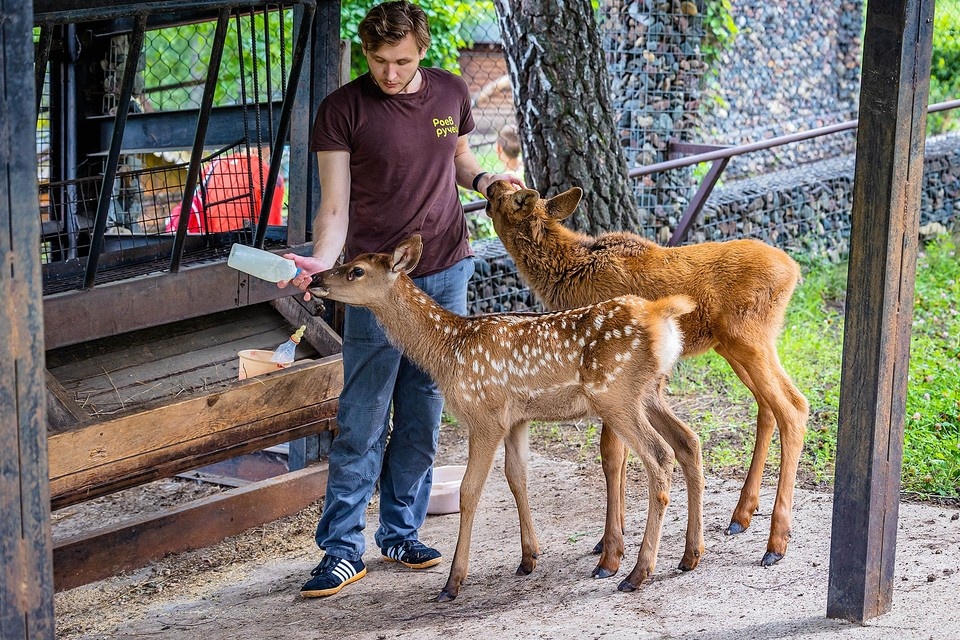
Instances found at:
x=368 y=448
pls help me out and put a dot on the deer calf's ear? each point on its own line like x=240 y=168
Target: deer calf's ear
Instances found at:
x=407 y=254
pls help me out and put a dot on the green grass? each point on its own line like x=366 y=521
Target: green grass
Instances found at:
x=811 y=348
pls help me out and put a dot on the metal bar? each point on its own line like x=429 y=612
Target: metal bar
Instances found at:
x=42 y=57
x=196 y=153
x=283 y=126
x=110 y=170
x=692 y=212
x=68 y=125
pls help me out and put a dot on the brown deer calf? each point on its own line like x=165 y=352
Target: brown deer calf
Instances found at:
x=497 y=372
x=741 y=288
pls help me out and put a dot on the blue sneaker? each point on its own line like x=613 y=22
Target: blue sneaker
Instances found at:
x=332 y=575
x=413 y=554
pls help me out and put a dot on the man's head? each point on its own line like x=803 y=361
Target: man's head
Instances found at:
x=508 y=142
x=394 y=37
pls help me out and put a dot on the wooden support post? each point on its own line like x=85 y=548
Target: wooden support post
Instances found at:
x=26 y=571
x=879 y=308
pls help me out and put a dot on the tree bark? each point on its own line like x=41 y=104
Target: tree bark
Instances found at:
x=561 y=92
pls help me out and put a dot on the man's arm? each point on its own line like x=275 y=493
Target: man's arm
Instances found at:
x=330 y=223
x=468 y=168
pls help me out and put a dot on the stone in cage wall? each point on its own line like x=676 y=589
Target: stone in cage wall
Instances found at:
x=654 y=59
x=804 y=210
x=793 y=66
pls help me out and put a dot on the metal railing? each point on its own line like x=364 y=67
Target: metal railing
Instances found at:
x=719 y=156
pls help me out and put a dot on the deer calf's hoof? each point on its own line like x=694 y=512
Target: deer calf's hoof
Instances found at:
x=626 y=587
x=734 y=529
x=600 y=572
x=770 y=558
x=446 y=596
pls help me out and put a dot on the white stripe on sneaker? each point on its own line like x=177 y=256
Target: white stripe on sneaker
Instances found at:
x=344 y=570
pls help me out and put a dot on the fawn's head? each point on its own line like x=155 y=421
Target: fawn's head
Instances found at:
x=369 y=276
x=514 y=210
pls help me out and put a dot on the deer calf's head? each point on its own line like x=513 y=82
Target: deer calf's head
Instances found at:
x=511 y=208
x=369 y=276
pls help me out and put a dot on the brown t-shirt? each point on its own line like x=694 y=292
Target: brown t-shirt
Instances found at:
x=402 y=177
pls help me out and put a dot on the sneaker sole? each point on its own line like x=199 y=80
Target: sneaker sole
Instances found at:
x=321 y=593
x=423 y=565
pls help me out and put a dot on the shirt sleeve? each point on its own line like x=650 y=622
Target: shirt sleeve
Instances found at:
x=331 y=129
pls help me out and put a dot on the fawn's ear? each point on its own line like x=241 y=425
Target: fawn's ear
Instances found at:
x=407 y=254
x=560 y=206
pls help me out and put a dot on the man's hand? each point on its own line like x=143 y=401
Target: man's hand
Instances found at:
x=490 y=178
x=308 y=266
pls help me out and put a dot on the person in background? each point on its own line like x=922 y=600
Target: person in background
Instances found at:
x=508 y=150
x=391 y=146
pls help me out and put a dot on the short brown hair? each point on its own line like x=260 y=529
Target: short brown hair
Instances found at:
x=509 y=141
x=390 y=22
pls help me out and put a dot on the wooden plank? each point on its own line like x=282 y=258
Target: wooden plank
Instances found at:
x=62 y=411
x=207 y=453
x=26 y=586
x=144 y=347
x=241 y=411
x=197 y=371
x=879 y=307
x=100 y=554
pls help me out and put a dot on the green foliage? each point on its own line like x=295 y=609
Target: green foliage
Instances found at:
x=177 y=59
x=945 y=65
x=449 y=29
x=811 y=347
x=719 y=30
x=931 y=462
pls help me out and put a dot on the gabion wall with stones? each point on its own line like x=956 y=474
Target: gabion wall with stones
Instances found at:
x=805 y=210
x=792 y=67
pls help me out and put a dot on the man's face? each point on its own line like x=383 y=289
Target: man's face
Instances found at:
x=394 y=67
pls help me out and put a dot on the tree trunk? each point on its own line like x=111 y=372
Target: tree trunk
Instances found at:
x=561 y=92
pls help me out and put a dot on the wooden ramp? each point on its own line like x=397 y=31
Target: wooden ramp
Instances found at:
x=149 y=404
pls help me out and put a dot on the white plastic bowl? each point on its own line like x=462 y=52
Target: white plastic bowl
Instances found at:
x=445 y=494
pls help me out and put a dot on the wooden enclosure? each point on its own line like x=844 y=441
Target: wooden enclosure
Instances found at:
x=144 y=186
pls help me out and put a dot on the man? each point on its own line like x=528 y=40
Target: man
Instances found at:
x=391 y=148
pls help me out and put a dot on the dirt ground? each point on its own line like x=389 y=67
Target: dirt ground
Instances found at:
x=247 y=586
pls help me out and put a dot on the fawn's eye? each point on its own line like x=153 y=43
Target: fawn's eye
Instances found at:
x=356 y=272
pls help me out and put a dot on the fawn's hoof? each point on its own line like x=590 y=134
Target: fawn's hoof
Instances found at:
x=600 y=572
x=770 y=558
x=626 y=587
x=598 y=548
x=734 y=529
x=524 y=571
x=446 y=596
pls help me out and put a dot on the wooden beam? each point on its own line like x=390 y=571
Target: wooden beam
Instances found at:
x=96 y=458
x=879 y=307
x=26 y=576
x=99 y=554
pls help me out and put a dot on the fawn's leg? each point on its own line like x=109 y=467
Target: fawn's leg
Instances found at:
x=515 y=469
x=479 y=463
x=613 y=459
x=686 y=446
x=781 y=404
x=631 y=425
